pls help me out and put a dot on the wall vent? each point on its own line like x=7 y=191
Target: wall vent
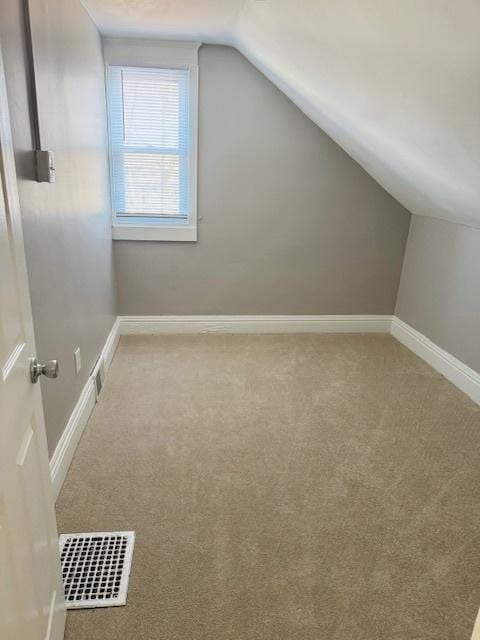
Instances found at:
x=98 y=376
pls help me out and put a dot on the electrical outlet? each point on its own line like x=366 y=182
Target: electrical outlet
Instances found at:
x=78 y=360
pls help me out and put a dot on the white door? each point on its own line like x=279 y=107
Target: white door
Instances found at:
x=31 y=593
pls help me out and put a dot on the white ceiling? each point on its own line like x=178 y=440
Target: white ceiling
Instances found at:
x=396 y=84
x=204 y=20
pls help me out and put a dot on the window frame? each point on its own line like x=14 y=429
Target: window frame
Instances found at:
x=121 y=52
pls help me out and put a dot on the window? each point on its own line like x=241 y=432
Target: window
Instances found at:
x=152 y=128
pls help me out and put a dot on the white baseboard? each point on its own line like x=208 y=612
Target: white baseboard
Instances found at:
x=466 y=379
x=156 y=325
x=65 y=449
x=63 y=454
x=111 y=344
x=476 y=629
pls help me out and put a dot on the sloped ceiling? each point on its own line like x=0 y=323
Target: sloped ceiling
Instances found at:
x=204 y=20
x=396 y=84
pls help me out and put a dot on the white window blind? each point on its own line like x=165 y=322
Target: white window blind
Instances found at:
x=150 y=143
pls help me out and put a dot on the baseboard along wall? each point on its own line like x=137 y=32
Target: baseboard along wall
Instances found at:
x=65 y=449
x=466 y=379
x=139 y=325
x=458 y=373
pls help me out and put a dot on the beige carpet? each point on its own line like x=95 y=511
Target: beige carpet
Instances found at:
x=282 y=488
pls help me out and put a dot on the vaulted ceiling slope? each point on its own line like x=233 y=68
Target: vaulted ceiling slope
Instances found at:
x=396 y=84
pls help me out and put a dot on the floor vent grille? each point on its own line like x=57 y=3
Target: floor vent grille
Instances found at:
x=96 y=568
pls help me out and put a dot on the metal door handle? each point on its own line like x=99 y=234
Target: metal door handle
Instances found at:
x=50 y=369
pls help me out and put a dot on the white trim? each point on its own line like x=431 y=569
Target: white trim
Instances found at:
x=476 y=629
x=65 y=449
x=459 y=374
x=139 y=52
x=155 y=233
x=253 y=324
x=111 y=344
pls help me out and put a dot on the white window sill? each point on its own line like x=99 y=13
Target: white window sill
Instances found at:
x=155 y=234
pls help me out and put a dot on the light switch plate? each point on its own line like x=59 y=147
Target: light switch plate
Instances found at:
x=78 y=360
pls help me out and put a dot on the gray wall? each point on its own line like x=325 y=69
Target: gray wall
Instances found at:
x=289 y=222
x=66 y=225
x=440 y=287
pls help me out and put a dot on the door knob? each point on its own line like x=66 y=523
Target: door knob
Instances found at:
x=50 y=369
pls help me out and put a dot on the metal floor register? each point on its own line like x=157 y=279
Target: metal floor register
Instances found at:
x=96 y=568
